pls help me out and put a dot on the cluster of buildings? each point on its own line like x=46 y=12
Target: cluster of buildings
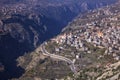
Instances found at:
x=103 y=33
x=108 y=38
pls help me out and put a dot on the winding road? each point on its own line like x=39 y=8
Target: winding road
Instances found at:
x=70 y=62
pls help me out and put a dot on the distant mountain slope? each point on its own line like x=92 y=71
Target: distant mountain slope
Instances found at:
x=95 y=17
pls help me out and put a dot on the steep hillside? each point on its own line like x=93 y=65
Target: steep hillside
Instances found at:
x=88 y=49
x=25 y=24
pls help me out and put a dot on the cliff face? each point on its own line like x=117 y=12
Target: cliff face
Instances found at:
x=25 y=24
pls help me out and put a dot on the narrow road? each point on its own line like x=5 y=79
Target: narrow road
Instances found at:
x=70 y=62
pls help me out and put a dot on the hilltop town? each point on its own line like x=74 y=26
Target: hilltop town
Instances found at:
x=108 y=38
x=96 y=33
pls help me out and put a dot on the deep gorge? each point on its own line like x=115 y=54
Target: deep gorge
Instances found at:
x=27 y=30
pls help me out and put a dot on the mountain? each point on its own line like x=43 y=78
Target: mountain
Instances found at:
x=25 y=24
x=47 y=17
x=88 y=48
